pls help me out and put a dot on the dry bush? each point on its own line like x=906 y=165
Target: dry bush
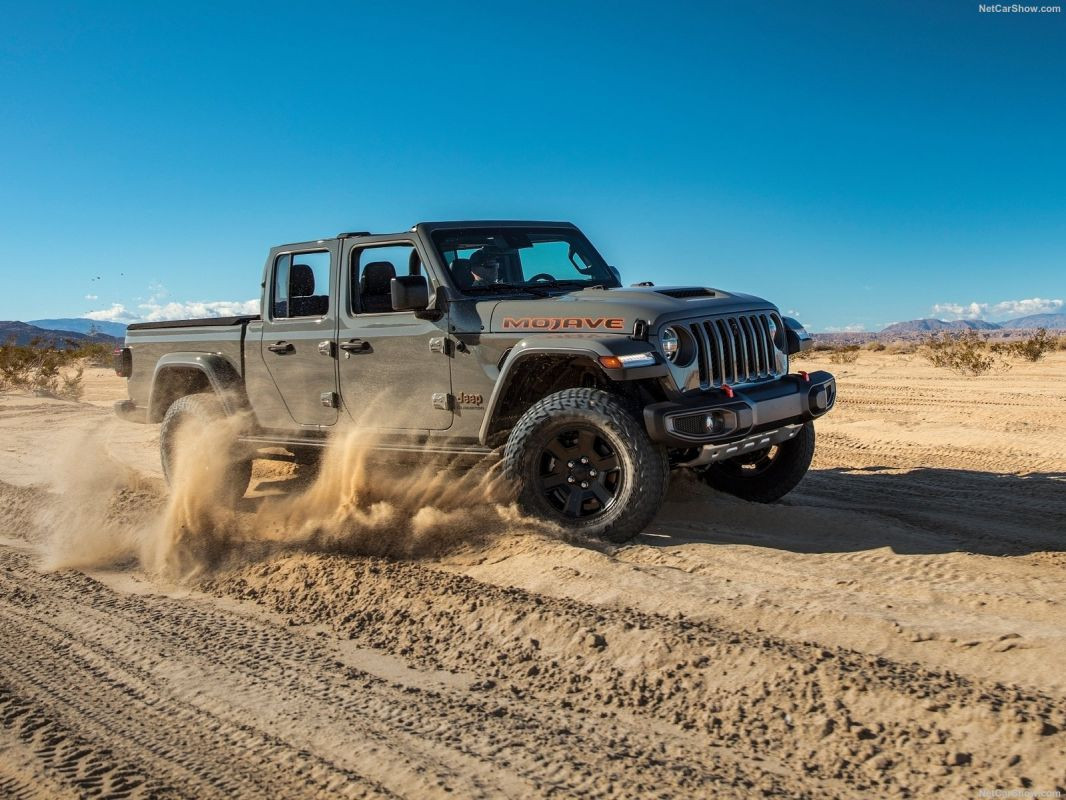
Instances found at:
x=1061 y=342
x=967 y=353
x=39 y=368
x=848 y=354
x=70 y=384
x=95 y=354
x=901 y=347
x=1034 y=347
x=875 y=346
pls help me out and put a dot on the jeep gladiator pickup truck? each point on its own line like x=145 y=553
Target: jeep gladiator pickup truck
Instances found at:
x=505 y=340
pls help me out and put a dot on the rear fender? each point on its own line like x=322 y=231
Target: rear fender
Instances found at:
x=174 y=369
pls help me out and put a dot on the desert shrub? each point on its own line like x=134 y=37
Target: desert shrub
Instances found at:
x=40 y=369
x=1061 y=342
x=875 y=346
x=967 y=353
x=848 y=354
x=1034 y=347
x=70 y=384
x=822 y=347
x=95 y=354
x=900 y=347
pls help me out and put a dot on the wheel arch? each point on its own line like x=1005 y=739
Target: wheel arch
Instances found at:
x=179 y=374
x=538 y=367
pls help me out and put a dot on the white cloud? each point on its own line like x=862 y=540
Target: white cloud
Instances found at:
x=91 y=297
x=155 y=312
x=857 y=327
x=957 y=311
x=117 y=313
x=1004 y=309
x=792 y=313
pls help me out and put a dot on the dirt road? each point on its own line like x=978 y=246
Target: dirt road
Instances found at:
x=894 y=628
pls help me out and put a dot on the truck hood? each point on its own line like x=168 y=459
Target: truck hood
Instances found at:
x=611 y=310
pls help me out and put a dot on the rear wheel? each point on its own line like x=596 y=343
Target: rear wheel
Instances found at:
x=198 y=421
x=764 y=476
x=580 y=459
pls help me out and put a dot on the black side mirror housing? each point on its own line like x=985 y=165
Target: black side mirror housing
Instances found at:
x=410 y=293
x=796 y=336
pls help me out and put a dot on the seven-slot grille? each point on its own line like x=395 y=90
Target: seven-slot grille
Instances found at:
x=735 y=349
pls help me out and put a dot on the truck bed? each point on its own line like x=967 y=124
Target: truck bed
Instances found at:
x=218 y=337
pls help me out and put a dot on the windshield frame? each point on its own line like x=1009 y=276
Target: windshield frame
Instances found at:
x=601 y=275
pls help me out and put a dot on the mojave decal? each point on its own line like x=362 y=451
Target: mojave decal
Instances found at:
x=564 y=323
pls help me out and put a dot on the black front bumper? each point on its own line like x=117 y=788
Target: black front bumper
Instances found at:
x=788 y=400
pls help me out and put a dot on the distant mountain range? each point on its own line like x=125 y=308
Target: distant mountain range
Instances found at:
x=1049 y=321
x=22 y=333
x=82 y=325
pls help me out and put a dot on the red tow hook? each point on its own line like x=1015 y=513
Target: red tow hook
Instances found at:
x=727 y=389
x=804 y=375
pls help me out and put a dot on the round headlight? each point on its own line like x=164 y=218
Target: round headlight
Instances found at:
x=670 y=342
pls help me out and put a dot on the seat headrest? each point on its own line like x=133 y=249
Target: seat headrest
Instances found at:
x=461 y=273
x=301 y=281
x=486 y=255
x=377 y=278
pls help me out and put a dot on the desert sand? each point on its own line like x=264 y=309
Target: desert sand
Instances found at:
x=894 y=627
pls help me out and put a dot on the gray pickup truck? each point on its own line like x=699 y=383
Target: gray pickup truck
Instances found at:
x=492 y=339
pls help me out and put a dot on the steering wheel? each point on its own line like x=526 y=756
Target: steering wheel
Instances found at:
x=542 y=276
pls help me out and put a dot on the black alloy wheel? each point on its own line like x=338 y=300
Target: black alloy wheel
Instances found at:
x=580 y=474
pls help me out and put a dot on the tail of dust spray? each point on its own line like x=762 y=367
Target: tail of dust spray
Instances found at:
x=354 y=501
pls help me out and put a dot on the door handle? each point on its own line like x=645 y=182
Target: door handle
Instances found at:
x=356 y=346
x=281 y=347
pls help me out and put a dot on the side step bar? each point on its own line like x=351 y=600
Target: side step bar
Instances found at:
x=412 y=448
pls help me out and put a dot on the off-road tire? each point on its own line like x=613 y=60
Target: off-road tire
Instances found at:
x=640 y=477
x=230 y=466
x=779 y=476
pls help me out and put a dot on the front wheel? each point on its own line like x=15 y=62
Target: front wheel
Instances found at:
x=579 y=458
x=766 y=475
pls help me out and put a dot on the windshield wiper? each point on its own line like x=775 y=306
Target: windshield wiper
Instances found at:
x=503 y=288
x=575 y=282
x=557 y=284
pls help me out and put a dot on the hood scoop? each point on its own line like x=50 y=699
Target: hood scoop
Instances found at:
x=686 y=292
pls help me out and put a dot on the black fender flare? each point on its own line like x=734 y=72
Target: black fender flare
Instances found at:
x=590 y=349
x=223 y=378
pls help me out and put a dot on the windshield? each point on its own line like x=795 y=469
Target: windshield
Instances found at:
x=487 y=260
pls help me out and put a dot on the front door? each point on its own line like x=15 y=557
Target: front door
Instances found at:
x=393 y=368
x=299 y=325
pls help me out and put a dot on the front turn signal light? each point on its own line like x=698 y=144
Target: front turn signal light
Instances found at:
x=631 y=360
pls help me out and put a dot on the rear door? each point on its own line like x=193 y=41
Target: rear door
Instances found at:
x=394 y=368
x=299 y=325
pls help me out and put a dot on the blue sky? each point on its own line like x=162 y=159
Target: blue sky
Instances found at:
x=858 y=163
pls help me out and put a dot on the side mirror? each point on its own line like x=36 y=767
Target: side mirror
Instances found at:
x=410 y=293
x=796 y=336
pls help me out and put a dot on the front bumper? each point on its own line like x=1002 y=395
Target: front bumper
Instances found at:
x=715 y=418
